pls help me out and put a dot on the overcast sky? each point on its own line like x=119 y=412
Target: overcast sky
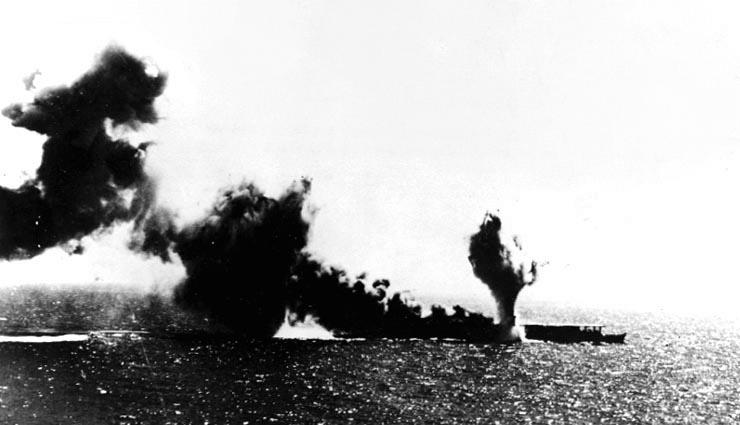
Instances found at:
x=604 y=133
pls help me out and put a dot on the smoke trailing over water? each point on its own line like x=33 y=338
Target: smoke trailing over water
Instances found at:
x=87 y=180
x=336 y=301
x=493 y=265
x=355 y=307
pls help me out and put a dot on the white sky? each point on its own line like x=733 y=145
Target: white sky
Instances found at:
x=605 y=133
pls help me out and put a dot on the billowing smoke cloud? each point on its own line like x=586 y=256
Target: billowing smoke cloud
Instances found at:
x=245 y=261
x=87 y=180
x=492 y=264
x=337 y=302
x=239 y=258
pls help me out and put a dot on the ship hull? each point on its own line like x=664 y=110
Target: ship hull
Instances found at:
x=571 y=334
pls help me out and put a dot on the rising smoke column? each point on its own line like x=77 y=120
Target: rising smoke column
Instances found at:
x=492 y=264
x=239 y=258
x=87 y=180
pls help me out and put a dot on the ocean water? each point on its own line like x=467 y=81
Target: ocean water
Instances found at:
x=670 y=371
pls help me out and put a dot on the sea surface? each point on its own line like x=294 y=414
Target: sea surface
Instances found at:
x=671 y=370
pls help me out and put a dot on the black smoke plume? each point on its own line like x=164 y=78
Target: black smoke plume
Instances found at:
x=336 y=301
x=492 y=264
x=87 y=180
x=352 y=307
x=239 y=258
x=245 y=262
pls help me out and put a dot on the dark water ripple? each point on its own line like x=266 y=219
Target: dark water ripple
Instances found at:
x=669 y=372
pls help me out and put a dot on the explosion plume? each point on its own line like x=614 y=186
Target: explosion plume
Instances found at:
x=245 y=261
x=87 y=180
x=492 y=264
x=238 y=259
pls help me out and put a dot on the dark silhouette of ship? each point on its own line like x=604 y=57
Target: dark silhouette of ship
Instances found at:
x=483 y=332
x=571 y=333
x=474 y=327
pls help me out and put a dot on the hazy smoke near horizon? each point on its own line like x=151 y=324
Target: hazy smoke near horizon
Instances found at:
x=87 y=180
